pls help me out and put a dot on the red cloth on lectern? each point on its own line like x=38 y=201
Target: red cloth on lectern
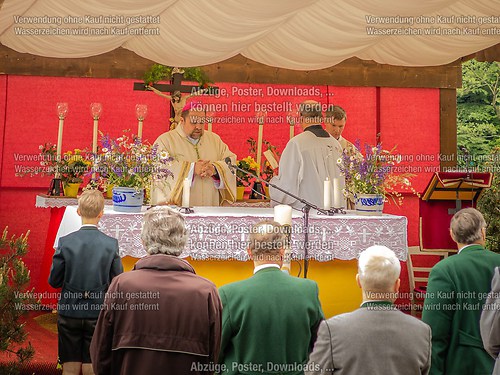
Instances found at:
x=436 y=223
x=56 y=215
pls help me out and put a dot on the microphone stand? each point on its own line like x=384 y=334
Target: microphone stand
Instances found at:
x=305 y=210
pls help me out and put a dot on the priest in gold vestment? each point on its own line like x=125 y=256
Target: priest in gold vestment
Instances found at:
x=199 y=157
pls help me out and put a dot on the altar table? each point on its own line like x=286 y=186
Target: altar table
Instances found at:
x=218 y=240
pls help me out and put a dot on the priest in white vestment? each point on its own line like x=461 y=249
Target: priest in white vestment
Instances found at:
x=199 y=157
x=307 y=161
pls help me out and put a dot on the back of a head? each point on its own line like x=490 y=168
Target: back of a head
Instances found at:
x=91 y=204
x=466 y=226
x=310 y=111
x=164 y=231
x=335 y=112
x=378 y=269
x=266 y=238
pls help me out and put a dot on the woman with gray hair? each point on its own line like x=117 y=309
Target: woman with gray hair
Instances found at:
x=161 y=316
x=164 y=232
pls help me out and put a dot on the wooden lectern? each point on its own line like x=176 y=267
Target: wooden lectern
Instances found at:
x=446 y=193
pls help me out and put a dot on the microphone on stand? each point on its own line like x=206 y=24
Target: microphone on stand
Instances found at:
x=305 y=210
x=229 y=164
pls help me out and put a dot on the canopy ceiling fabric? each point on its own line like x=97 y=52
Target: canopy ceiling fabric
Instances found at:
x=292 y=34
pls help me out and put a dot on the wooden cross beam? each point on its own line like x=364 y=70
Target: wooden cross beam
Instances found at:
x=174 y=85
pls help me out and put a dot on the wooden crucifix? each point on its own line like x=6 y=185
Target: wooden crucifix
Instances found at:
x=176 y=88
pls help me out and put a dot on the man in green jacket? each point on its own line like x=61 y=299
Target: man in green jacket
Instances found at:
x=456 y=292
x=269 y=321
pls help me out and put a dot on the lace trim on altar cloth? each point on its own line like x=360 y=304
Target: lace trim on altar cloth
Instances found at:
x=225 y=237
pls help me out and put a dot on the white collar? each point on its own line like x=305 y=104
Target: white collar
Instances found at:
x=262 y=266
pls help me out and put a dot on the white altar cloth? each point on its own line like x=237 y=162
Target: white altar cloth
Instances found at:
x=222 y=233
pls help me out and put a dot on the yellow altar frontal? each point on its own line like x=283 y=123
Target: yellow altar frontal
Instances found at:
x=218 y=236
x=338 y=291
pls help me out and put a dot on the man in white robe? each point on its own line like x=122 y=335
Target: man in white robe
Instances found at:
x=198 y=156
x=307 y=160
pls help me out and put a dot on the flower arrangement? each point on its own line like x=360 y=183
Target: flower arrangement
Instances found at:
x=248 y=164
x=267 y=170
x=72 y=167
x=75 y=165
x=129 y=162
x=373 y=173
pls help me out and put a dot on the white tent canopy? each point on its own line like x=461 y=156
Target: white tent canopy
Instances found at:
x=293 y=34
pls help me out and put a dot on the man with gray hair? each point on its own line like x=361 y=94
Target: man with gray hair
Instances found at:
x=269 y=321
x=307 y=161
x=377 y=338
x=160 y=317
x=455 y=296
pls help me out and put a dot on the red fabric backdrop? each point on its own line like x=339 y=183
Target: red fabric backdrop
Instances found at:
x=408 y=118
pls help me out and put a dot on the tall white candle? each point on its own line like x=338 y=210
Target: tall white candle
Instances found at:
x=292 y=131
x=338 y=196
x=59 y=138
x=210 y=125
x=259 y=145
x=327 y=194
x=94 y=136
x=139 y=130
x=283 y=214
x=186 y=192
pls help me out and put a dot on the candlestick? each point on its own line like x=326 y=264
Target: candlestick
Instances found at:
x=95 y=110
x=94 y=136
x=141 y=111
x=338 y=196
x=260 y=118
x=139 y=130
x=283 y=214
x=327 y=194
x=186 y=192
x=62 y=111
x=210 y=125
x=291 y=122
x=59 y=138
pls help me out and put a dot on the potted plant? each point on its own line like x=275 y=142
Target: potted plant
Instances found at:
x=370 y=179
x=71 y=167
x=130 y=166
x=243 y=180
x=267 y=172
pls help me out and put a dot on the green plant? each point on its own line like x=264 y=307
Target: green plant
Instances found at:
x=73 y=166
x=159 y=72
x=478 y=112
x=489 y=203
x=15 y=300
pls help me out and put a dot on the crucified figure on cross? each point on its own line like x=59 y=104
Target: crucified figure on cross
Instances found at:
x=176 y=88
x=177 y=101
